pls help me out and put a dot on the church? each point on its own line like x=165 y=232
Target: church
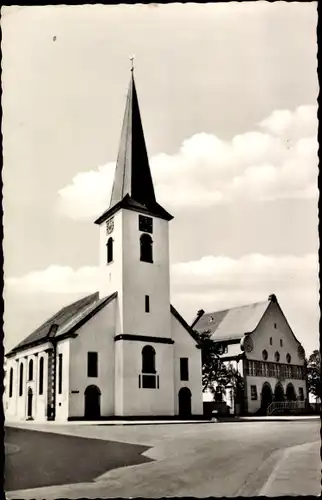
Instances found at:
x=124 y=350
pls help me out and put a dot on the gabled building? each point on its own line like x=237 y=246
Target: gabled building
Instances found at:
x=258 y=341
x=124 y=350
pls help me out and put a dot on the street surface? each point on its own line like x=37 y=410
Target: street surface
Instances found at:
x=248 y=458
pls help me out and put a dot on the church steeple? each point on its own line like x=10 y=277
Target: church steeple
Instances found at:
x=133 y=185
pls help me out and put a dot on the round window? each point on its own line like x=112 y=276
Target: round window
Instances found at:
x=265 y=355
x=277 y=356
x=288 y=358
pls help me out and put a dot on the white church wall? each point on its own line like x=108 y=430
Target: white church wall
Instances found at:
x=10 y=403
x=97 y=335
x=118 y=378
x=16 y=406
x=185 y=347
x=41 y=399
x=142 y=401
x=111 y=273
x=31 y=384
x=144 y=278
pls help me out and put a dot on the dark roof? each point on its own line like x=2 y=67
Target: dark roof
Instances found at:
x=65 y=321
x=184 y=323
x=232 y=323
x=133 y=182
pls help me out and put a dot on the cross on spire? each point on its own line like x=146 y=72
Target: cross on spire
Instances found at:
x=132 y=64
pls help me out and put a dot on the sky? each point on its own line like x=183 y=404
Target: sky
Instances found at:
x=228 y=99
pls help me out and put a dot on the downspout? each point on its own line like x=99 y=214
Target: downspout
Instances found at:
x=52 y=371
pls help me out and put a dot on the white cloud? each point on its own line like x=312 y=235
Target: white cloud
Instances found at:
x=253 y=272
x=277 y=161
x=211 y=283
x=57 y=279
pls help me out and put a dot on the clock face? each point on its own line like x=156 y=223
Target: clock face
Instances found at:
x=110 y=226
x=248 y=344
x=145 y=224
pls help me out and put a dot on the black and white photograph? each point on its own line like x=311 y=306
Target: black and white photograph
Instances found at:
x=160 y=248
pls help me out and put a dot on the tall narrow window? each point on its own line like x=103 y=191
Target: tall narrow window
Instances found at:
x=109 y=246
x=147 y=304
x=148 y=368
x=271 y=341
x=253 y=390
x=146 y=252
x=10 y=382
x=281 y=342
x=31 y=370
x=184 y=369
x=60 y=373
x=148 y=359
x=92 y=364
x=41 y=375
x=21 y=380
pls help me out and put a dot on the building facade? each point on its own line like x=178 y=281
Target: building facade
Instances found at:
x=123 y=351
x=258 y=341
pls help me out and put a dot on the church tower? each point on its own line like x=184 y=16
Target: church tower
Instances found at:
x=134 y=261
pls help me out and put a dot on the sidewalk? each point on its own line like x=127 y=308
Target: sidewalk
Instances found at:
x=300 y=467
x=31 y=424
x=276 y=418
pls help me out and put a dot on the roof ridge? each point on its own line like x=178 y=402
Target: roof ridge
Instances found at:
x=236 y=307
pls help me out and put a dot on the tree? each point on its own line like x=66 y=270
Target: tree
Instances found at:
x=216 y=375
x=314 y=374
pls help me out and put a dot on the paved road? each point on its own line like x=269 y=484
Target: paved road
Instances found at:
x=213 y=459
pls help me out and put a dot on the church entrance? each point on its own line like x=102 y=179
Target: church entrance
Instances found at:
x=29 y=403
x=92 y=403
x=267 y=396
x=184 y=402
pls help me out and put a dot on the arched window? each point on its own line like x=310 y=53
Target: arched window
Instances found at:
x=265 y=355
x=10 y=382
x=41 y=375
x=31 y=370
x=21 y=380
x=277 y=356
x=148 y=359
x=288 y=358
x=146 y=251
x=109 y=246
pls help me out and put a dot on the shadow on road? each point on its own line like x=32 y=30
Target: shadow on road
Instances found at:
x=34 y=459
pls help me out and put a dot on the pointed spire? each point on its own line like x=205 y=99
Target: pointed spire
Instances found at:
x=133 y=184
x=132 y=173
